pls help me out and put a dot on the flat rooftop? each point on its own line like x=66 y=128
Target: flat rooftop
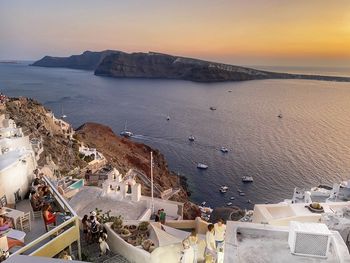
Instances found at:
x=248 y=242
x=89 y=198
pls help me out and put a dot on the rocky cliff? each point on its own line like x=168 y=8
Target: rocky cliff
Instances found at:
x=124 y=154
x=162 y=66
x=88 y=60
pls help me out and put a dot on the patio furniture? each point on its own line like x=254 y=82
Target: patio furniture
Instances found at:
x=25 y=222
x=37 y=214
x=3 y=202
x=11 y=213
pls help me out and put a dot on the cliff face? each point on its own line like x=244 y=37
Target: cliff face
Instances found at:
x=32 y=117
x=88 y=60
x=124 y=154
x=155 y=65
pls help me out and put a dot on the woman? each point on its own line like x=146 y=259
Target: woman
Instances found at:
x=210 y=249
x=86 y=227
x=193 y=239
x=36 y=201
x=49 y=217
x=5 y=225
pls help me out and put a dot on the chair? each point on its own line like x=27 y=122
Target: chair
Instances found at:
x=37 y=214
x=3 y=202
x=25 y=222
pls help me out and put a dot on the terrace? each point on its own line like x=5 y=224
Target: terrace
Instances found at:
x=38 y=241
x=246 y=241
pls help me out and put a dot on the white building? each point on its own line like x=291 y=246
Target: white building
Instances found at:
x=17 y=160
x=298 y=242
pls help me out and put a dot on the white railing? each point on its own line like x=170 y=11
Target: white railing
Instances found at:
x=57 y=236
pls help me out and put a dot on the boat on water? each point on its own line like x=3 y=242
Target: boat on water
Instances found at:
x=224 y=149
x=191 y=138
x=248 y=201
x=168 y=118
x=212 y=108
x=239 y=191
x=203 y=203
x=247 y=179
x=205 y=209
x=223 y=189
x=232 y=198
x=242 y=194
x=202 y=166
x=125 y=132
x=229 y=203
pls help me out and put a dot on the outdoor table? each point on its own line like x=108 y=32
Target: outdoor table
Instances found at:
x=16 y=234
x=11 y=213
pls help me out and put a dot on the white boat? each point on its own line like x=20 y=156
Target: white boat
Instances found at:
x=191 y=138
x=232 y=198
x=203 y=203
x=205 y=209
x=223 y=189
x=63 y=116
x=249 y=202
x=202 y=166
x=224 y=149
x=126 y=133
x=168 y=118
x=242 y=194
x=247 y=179
x=229 y=203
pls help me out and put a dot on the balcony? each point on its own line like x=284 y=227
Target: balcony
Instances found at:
x=66 y=234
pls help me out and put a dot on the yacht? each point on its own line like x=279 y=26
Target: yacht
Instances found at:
x=202 y=166
x=223 y=189
x=224 y=149
x=191 y=138
x=126 y=133
x=247 y=179
x=232 y=198
x=229 y=203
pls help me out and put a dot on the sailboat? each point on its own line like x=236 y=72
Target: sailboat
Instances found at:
x=125 y=132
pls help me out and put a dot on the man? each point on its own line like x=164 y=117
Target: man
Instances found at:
x=162 y=216
x=220 y=229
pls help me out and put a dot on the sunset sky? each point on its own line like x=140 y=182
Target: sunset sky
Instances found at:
x=254 y=32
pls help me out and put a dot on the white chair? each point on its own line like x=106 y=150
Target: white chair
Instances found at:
x=37 y=214
x=25 y=222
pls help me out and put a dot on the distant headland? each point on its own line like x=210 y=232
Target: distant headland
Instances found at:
x=154 y=65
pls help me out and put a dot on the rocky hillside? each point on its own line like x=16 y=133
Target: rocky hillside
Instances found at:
x=88 y=60
x=32 y=117
x=162 y=66
x=124 y=154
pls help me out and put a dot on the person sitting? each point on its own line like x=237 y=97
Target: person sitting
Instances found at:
x=49 y=217
x=6 y=225
x=36 y=201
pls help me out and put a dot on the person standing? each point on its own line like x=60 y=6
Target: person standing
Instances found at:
x=210 y=249
x=193 y=239
x=162 y=216
x=220 y=229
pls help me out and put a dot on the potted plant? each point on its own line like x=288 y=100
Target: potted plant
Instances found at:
x=117 y=224
x=132 y=228
x=148 y=245
x=125 y=233
x=143 y=226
